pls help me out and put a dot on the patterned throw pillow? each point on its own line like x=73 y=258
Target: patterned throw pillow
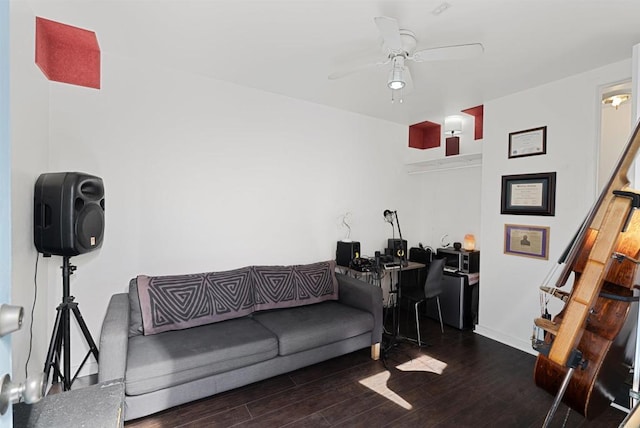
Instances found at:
x=183 y=301
x=287 y=286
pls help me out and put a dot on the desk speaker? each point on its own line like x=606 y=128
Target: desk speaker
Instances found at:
x=347 y=251
x=68 y=213
x=398 y=248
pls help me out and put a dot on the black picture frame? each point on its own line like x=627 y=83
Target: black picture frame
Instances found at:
x=529 y=194
x=530 y=142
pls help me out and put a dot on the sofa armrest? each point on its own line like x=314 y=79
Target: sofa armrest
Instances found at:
x=365 y=296
x=114 y=339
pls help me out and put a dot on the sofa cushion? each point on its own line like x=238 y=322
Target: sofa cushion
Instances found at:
x=288 y=286
x=175 y=357
x=184 y=301
x=306 y=327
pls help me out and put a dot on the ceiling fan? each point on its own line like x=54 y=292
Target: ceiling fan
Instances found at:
x=399 y=47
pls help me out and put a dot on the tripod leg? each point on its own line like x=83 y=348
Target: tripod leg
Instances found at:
x=85 y=331
x=66 y=321
x=54 y=347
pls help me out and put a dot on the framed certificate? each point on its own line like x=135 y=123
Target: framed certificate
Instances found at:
x=530 y=142
x=529 y=194
x=527 y=241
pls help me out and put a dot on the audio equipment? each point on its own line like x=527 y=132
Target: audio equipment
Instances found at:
x=398 y=248
x=347 y=251
x=68 y=213
x=362 y=264
x=420 y=255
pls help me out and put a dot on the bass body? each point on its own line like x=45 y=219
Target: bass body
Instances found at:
x=599 y=319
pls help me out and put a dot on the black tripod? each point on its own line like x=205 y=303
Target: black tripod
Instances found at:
x=61 y=336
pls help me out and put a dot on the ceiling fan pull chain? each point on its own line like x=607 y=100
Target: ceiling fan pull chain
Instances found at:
x=393 y=96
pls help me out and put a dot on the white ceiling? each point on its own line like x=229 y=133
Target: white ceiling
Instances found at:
x=289 y=47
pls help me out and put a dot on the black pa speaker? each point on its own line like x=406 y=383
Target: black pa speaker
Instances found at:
x=347 y=251
x=68 y=213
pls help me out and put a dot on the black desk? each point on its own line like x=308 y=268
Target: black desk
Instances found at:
x=377 y=278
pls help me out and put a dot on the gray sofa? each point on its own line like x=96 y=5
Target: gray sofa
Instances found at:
x=282 y=318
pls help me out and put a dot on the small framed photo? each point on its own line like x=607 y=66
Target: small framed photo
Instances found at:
x=526 y=241
x=529 y=194
x=530 y=142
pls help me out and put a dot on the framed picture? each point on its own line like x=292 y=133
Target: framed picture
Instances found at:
x=529 y=194
x=530 y=142
x=526 y=241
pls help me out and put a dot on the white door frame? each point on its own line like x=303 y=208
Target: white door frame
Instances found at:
x=6 y=420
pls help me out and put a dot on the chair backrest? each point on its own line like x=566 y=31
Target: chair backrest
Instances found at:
x=433 y=284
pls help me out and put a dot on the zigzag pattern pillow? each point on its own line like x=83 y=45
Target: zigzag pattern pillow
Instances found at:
x=287 y=286
x=183 y=301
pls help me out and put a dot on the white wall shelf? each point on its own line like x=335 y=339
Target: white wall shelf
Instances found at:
x=447 y=163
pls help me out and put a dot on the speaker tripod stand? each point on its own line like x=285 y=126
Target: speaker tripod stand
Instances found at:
x=61 y=336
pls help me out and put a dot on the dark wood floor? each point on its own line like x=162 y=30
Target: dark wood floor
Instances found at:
x=461 y=380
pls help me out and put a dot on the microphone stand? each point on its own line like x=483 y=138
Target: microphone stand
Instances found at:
x=396 y=310
x=401 y=254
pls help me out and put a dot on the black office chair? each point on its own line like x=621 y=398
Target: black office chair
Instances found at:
x=432 y=289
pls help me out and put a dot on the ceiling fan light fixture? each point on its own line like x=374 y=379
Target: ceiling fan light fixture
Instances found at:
x=396 y=80
x=399 y=45
x=396 y=75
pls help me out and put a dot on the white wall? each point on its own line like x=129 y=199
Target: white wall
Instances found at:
x=448 y=198
x=449 y=205
x=635 y=101
x=202 y=175
x=509 y=297
x=29 y=147
x=468 y=145
x=635 y=83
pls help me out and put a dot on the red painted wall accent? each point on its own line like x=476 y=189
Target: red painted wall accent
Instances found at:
x=67 y=54
x=452 y=146
x=478 y=113
x=424 y=135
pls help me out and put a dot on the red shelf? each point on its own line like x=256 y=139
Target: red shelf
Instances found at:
x=424 y=135
x=67 y=54
x=478 y=113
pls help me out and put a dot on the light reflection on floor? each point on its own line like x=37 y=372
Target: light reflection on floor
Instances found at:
x=378 y=382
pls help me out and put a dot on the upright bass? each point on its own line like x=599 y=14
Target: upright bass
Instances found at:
x=582 y=358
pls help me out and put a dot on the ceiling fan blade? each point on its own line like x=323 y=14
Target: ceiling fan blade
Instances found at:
x=448 y=53
x=390 y=32
x=408 y=81
x=355 y=69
